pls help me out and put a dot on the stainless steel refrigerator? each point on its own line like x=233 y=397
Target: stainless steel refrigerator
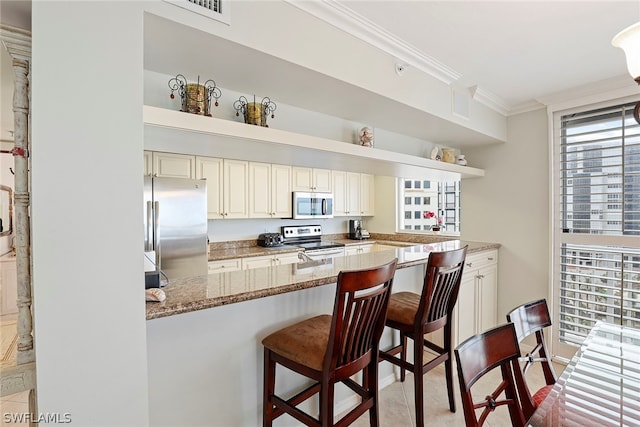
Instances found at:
x=176 y=225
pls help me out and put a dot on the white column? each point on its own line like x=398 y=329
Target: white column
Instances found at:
x=87 y=234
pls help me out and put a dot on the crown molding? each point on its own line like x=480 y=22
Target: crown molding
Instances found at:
x=617 y=87
x=17 y=42
x=347 y=20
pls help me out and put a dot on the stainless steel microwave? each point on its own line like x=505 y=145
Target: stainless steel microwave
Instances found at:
x=312 y=205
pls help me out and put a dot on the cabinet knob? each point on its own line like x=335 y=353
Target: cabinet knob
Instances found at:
x=490 y=258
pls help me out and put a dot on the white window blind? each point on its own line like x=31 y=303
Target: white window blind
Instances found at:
x=597 y=265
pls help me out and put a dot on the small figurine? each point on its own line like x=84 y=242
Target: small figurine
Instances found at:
x=366 y=137
x=435 y=154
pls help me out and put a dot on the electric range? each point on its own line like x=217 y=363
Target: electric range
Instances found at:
x=308 y=237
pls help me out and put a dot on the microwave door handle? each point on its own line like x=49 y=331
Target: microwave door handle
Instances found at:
x=324 y=206
x=148 y=233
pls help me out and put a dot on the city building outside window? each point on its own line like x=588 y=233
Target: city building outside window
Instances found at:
x=419 y=198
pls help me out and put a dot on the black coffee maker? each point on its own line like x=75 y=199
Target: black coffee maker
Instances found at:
x=355 y=229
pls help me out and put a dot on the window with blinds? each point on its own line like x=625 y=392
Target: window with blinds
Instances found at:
x=599 y=212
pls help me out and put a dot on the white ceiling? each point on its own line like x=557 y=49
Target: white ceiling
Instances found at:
x=514 y=52
x=519 y=51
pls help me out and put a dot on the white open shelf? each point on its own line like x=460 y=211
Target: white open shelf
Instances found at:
x=178 y=120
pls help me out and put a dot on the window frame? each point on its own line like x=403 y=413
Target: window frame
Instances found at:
x=558 y=238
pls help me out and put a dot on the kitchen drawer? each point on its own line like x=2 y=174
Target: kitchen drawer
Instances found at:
x=481 y=259
x=225 y=265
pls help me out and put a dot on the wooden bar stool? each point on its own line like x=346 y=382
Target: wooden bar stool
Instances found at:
x=480 y=354
x=415 y=315
x=331 y=348
x=529 y=319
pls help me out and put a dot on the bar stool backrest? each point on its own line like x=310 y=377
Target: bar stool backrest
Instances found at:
x=359 y=316
x=496 y=348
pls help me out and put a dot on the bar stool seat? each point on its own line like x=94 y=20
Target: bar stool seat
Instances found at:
x=333 y=348
x=304 y=343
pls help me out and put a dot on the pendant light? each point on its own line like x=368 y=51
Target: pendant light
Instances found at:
x=629 y=41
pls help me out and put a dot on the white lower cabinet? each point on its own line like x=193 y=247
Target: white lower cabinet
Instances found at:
x=249 y=263
x=225 y=265
x=358 y=249
x=476 y=309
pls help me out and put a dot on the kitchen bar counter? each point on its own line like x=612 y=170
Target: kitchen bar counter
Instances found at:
x=218 y=289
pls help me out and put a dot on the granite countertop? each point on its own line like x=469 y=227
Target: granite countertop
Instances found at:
x=216 y=289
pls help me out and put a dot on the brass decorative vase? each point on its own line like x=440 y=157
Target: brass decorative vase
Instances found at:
x=255 y=113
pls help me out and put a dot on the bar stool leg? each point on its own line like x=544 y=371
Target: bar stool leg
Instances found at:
x=269 y=386
x=418 y=361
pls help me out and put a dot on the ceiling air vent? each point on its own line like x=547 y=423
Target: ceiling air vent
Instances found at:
x=214 y=9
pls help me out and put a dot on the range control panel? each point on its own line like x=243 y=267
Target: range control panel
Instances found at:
x=301 y=231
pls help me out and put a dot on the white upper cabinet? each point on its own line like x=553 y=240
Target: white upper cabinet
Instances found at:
x=174 y=165
x=309 y=179
x=148 y=163
x=367 y=194
x=269 y=190
x=227 y=186
x=236 y=180
x=281 y=191
x=353 y=193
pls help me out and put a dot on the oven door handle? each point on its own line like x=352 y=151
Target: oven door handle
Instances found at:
x=323 y=253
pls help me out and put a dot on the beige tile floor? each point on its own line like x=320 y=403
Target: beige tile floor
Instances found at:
x=397 y=408
x=14 y=404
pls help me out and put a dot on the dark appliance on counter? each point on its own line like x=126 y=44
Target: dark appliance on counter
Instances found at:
x=309 y=237
x=270 y=240
x=355 y=230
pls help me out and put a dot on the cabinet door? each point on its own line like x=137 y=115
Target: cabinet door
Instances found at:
x=465 y=311
x=487 y=297
x=259 y=190
x=281 y=191
x=322 y=180
x=236 y=187
x=301 y=179
x=174 y=165
x=257 y=262
x=367 y=194
x=211 y=169
x=353 y=193
x=148 y=163
x=339 y=179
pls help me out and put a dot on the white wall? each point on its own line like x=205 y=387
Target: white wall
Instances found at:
x=510 y=205
x=87 y=216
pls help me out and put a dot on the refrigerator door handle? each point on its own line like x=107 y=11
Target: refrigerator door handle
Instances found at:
x=148 y=233
x=156 y=232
